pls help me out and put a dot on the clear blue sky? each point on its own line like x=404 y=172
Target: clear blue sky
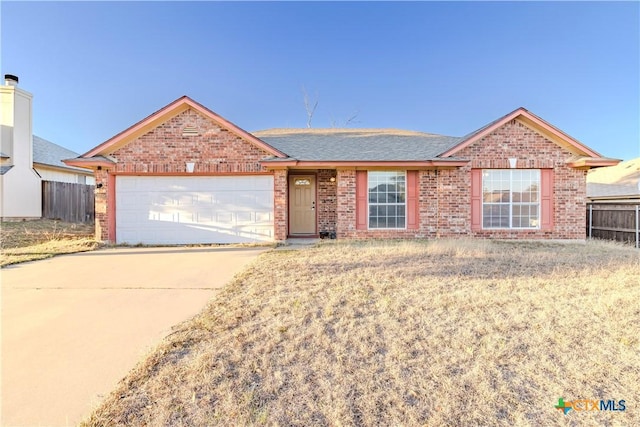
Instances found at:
x=448 y=68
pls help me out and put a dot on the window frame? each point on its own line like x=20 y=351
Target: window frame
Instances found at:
x=369 y=203
x=511 y=203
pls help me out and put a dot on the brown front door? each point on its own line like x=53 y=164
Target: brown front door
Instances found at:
x=302 y=204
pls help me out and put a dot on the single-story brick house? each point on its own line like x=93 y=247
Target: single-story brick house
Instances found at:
x=186 y=175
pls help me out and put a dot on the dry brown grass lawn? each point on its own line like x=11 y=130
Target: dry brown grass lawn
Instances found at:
x=32 y=240
x=433 y=333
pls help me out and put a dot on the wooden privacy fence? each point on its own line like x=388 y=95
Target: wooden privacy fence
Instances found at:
x=614 y=221
x=68 y=202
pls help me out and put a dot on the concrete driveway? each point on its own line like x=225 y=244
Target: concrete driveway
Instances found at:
x=74 y=325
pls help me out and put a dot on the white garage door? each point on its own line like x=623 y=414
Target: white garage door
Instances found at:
x=184 y=210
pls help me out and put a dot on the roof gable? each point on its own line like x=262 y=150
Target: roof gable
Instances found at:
x=533 y=122
x=161 y=116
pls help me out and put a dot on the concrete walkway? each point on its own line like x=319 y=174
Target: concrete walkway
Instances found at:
x=74 y=325
x=298 y=243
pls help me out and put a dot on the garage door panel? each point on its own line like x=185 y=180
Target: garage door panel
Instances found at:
x=202 y=199
x=204 y=216
x=244 y=218
x=131 y=201
x=264 y=217
x=224 y=218
x=156 y=215
x=264 y=201
x=129 y=184
x=130 y=217
x=151 y=199
x=182 y=210
x=187 y=201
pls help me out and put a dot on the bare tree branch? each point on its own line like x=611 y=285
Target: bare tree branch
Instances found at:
x=307 y=105
x=351 y=119
x=333 y=122
x=340 y=123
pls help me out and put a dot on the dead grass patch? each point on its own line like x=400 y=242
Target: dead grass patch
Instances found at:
x=402 y=333
x=38 y=239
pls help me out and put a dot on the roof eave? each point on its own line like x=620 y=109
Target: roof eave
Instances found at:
x=89 y=163
x=74 y=169
x=591 y=162
x=418 y=164
x=628 y=198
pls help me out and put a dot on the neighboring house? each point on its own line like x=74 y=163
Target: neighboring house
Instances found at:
x=186 y=175
x=47 y=161
x=615 y=184
x=26 y=160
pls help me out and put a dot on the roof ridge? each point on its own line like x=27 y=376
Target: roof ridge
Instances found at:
x=311 y=131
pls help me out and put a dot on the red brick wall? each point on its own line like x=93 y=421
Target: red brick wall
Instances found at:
x=102 y=227
x=454 y=202
x=346 y=219
x=213 y=150
x=346 y=203
x=445 y=195
x=327 y=200
x=165 y=150
x=428 y=203
x=281 y=204
x=516 y=140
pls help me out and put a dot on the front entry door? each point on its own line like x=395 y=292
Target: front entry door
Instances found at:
x=302 y=204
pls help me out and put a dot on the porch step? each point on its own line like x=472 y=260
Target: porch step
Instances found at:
x=297 y=244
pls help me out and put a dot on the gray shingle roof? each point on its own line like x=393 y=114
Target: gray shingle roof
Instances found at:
x=357 y=144
x=596 y=191
x=622 y=180
x=4 y=169
x=47 y=153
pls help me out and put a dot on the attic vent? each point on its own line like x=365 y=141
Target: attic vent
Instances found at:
x=190 y=131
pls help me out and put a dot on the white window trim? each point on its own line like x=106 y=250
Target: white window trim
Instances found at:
x=511 y=227
x=388 y=204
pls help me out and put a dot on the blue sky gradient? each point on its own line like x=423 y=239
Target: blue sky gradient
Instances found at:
x=95 y=68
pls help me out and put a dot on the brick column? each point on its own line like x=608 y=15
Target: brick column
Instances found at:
x=327 y=193
x=346 y=204
x=101 y=216
x=280 y=204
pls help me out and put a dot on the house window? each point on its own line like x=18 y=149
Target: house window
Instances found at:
x=511 y=198
x=387 y=199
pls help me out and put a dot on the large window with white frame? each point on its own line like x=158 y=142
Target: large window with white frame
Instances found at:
x=511 y=198
x=387 y=199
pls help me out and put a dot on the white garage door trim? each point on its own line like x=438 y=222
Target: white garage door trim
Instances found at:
x=194 y=209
